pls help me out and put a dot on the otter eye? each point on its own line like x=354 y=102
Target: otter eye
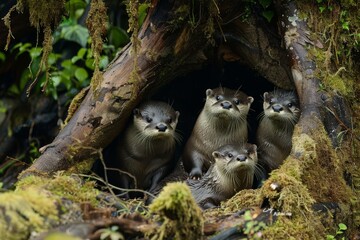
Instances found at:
x=271 y=101
x=230 y=155
x=237 y=101
x=219 y=97
x=169 y=120
x=290 y=105
x=149 y=119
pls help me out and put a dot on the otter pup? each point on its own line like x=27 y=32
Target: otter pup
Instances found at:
x=146 y=149
x=274 y=134
x=232 y=171
x=222 y=121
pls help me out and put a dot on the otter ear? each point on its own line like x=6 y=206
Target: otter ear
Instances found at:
x=250 y=100
x=266 y=95
x=253 y=147
x=216 y=154
x=177 y=114
x=209 y=92
x=136 y=112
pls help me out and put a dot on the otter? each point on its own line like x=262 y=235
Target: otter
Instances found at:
x=221 y=121
x=274 y=134
x=145 y=150
x=233 y=170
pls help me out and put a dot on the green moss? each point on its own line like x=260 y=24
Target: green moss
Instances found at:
x=75 y=103
x=176 y=207
x=25 y=211
x=335 y=26
x=97 y=24
x=243 y=199
x=321 y=163
x=69 y=187
x=301 y=227
x=60 y=236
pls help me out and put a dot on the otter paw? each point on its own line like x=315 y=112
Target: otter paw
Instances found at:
x=195 y=174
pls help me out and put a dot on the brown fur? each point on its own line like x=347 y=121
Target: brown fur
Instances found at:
x=146 y=149
x=222 y=121
x=233 y=170
x=274 y=134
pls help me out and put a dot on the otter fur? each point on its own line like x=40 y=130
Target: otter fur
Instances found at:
x=223 y=120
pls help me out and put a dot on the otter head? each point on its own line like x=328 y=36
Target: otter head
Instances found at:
x=233 y=158
x=281 y=105
x=224 y=102
x=156 y=119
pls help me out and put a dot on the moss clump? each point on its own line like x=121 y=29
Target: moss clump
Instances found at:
x=300 y=227
x=244 y=199
x=182 y=218
x=69 y=187
x=321 y=163
x=25 y=211
x=291 y=195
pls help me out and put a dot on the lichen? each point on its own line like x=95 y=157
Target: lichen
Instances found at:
x=176 y=207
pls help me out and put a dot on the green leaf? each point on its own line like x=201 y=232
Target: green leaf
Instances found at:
x=330 y=237
x=56 y=80
x=268 y=15
x=66 y=79
x=321 y=8
x=24 y=47
x=76 y=33
x=75 y=59
x=342 y=226
x=118 y=37
x=2 y=56
x=265 y=3
x=73 y=7
x=67 y=64
x=345 y=26
x=89 y=63
x=142 y=12
x=81 y=74
x=25 y=76
x=14 y=89
x=35 y=52
x=81 y=52
x=104 y=61
x=53 y=57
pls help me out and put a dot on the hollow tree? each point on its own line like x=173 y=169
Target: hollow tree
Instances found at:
x=178 y=37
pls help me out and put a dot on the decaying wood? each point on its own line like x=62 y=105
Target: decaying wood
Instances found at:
x=296 y=36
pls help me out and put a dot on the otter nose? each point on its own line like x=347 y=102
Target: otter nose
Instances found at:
x=241 y=158
x=226 y=105
x=161 y=127
x=277 y=108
